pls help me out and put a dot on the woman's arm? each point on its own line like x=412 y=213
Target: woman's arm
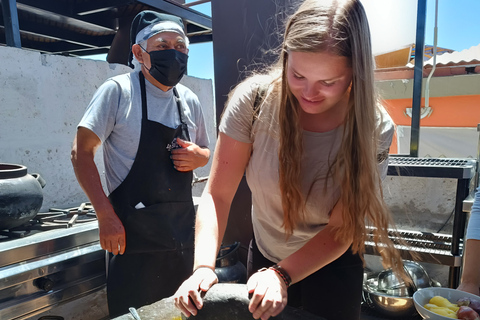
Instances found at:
x=470 y=281
x=319 y=251
x=229 y=162
x=269 y=290
x=471 y=267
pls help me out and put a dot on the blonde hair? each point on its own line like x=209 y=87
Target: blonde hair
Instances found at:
x=338 y=27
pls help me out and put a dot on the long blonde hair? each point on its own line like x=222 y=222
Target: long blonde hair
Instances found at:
x=339 y=27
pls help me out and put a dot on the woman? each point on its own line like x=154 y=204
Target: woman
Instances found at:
x=314 y=150
x=470 y=281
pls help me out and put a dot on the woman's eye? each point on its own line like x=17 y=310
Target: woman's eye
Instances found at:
x=328 y=83
x=297 y=76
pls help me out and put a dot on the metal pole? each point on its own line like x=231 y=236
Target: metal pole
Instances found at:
x=12 y=28
x=418 y=78
x=194 y=3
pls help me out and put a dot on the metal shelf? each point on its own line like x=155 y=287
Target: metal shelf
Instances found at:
x=464 y=171
x=427 y=246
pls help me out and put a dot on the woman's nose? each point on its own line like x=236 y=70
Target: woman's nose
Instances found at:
x=310 y=90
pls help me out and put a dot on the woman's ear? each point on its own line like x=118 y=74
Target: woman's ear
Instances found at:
x=137 y=52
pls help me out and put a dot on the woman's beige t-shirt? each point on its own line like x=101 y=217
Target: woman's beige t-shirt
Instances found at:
x=262 y=170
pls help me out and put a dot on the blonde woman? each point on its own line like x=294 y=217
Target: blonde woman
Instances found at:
x=315 y=150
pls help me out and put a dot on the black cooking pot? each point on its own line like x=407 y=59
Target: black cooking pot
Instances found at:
x=21 y=195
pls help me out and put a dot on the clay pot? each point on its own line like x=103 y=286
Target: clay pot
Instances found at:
x=21 y=195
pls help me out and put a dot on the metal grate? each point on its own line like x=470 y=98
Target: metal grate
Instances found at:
x=443 y=162
x=429 y=247
x=432 y=167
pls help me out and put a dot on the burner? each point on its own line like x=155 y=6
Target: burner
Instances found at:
x=54 y=219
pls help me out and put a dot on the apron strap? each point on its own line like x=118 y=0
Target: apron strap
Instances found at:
x=144 y=97
x=178 y=100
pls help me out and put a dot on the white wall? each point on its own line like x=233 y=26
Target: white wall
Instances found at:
x=42 y=99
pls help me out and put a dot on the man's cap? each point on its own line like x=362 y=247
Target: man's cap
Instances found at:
x=148 y=23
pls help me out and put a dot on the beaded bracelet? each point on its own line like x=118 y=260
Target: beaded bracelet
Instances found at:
x=281 y=272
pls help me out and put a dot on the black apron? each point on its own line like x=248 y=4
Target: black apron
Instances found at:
x=160 y=233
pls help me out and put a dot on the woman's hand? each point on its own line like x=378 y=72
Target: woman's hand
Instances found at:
x=188 y=298
x=269 y=294
x=469 y=287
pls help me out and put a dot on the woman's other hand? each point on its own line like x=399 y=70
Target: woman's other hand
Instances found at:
x=269 y=294
x=188 y=298
x=469 y=287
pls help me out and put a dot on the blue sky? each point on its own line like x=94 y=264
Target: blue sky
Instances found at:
x=458 y=27
x=390 y=20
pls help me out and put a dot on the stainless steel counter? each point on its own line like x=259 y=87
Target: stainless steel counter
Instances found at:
x=44 y=270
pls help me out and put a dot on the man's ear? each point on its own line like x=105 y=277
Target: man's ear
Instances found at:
x=137 y=52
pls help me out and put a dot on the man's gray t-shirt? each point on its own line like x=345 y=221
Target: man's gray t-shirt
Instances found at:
x=115 y=114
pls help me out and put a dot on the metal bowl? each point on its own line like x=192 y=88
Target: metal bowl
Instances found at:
x=384 y=292
x=388 y=305
x=389 y=283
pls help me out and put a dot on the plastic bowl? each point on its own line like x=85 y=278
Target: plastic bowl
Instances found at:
x=422 y=296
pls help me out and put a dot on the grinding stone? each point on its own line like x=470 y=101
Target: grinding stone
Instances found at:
x=224 y=301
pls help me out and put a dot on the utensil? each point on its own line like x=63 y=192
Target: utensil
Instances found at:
x=134 y=313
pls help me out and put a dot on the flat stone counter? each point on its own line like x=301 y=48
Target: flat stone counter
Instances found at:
x=224 y=301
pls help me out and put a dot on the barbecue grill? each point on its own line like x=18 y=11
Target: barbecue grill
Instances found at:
x=439 y=248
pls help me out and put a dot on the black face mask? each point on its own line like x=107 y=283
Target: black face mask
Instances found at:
x=167 y=66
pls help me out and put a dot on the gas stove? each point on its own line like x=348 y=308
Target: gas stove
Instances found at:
x=49 y=261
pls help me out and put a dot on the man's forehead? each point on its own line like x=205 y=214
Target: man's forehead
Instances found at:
x=166 y=37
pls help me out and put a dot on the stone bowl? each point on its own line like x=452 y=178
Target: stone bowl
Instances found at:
x=224 y=301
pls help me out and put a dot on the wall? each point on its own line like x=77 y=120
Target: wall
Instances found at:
x=42 y=99
x=450 y=120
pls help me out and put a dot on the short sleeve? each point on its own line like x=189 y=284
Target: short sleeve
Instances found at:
x=237 y=118
x=201 y=138
x=473 y=227
x=102 y=110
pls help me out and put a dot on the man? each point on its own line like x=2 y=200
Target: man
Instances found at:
x=153 y=135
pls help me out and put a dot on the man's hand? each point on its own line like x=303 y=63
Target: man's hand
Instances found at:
x=188 y=298
x=189 y=156
x=112 y=232
x=269 y=294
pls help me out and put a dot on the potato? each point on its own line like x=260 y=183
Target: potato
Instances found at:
x=443 y=307
x=441 y=301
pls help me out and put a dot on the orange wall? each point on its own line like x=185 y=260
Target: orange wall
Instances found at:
x=452 y=111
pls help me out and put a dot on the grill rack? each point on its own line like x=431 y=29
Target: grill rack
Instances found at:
x=426 y=246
